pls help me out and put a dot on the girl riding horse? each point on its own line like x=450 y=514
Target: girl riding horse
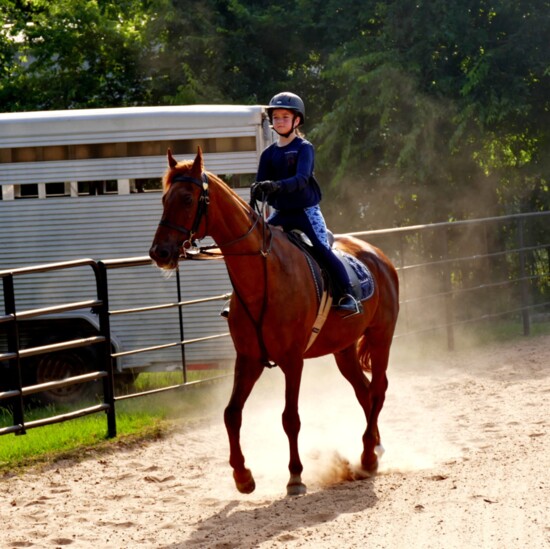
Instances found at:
x=285 y=180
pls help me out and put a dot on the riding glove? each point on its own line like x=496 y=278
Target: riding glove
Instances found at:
x=262 y=189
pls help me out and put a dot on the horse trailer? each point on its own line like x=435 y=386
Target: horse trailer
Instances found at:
x=86 y=184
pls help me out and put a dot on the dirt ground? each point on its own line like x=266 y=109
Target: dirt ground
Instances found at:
x=466 y=465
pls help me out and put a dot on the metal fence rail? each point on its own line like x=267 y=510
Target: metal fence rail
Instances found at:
x=105 y=362
x=451 y=274
x=457 y=268
x=16 y=392
x=112 y=264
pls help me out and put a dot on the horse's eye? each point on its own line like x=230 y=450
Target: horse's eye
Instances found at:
x=187 y=199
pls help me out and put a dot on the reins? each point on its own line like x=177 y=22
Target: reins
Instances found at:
x=188 y=247
x=265 y=250
x=202 y=209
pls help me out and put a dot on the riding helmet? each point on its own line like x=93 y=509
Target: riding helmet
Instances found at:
x=289 y=101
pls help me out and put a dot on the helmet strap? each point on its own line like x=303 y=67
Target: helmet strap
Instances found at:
x=291 y=130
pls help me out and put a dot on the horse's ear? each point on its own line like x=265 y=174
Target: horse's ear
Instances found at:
x=198 y=164
x=172 y=162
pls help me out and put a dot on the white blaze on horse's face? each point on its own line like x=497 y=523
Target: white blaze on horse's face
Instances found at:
x=165 y=248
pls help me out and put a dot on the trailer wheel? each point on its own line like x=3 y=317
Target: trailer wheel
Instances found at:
x=61 y=365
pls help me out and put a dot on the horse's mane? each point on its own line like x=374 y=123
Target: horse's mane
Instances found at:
x=182 y=167
x=185 y=166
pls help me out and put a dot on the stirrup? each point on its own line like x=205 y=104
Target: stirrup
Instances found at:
x=348 y=303
x=225 y=309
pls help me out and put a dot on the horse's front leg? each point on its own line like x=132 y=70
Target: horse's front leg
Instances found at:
x=291 y=425
x=247 y=372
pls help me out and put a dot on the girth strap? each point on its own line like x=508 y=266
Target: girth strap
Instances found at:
x=324 y=310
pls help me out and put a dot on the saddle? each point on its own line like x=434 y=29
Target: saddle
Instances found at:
x=360 y=277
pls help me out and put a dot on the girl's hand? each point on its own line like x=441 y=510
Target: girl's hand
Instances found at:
x=262 y=189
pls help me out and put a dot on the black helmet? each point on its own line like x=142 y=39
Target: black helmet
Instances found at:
x=289 y=101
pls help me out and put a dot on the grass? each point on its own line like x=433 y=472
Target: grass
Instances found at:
x=43 y=444
x=137 y=420
x=147 y=381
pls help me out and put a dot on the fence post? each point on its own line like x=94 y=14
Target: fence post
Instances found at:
x=447 y=286
x=182 y=331
x=523 y=280
x=105 y=330
x=403 y=289
x=14 y=365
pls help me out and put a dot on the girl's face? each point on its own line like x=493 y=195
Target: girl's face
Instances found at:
x=283 y=120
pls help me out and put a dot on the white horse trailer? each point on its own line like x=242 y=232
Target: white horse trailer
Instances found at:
x=86 y=184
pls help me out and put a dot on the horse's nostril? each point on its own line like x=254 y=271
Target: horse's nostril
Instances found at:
x=157 y=252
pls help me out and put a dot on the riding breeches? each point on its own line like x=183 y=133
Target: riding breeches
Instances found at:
x=312 y=223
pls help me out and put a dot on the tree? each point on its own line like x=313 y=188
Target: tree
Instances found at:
x=419 y=110
x=70 y=54
x=432 y=109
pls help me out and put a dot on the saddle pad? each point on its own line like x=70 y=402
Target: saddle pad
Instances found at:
x=360 y=276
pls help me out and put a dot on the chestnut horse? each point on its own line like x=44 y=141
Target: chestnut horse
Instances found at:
x=275 y=304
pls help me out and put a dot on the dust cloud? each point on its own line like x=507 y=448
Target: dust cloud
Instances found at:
x=414 y=435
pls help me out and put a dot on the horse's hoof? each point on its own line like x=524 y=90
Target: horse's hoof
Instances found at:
x=296 y=489
x=245 y=482
x=295 y=486
x=370 y=466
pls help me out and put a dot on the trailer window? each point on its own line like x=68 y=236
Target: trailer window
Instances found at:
x=26 y=191
x=145 y=185
x=86 y=151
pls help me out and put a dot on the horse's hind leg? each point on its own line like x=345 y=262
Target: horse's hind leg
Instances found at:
x=247 y=372
x=349 y=366
x=379 y=357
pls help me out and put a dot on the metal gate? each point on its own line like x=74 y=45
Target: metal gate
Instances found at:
x=450 y=274
x=13 y=355
x=16 y=392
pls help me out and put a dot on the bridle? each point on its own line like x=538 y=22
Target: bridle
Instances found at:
x=204 y=201
x=202 y=209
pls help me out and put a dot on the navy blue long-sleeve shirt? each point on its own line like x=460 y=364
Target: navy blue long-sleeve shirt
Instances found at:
x=292 y=166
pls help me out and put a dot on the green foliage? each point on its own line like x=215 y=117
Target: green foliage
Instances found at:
x=440 y=111
x=420 y=111
x=72 y=54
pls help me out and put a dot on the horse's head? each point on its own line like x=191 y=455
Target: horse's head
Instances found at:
x=185 y=199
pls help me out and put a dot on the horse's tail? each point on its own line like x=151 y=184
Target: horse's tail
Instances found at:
x=363 y=354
